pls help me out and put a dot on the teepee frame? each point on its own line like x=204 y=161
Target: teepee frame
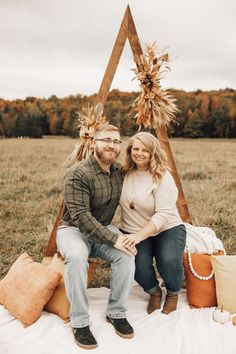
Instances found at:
x=127 y=31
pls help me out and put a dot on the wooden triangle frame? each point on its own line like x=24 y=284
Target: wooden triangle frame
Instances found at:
x=127 y=31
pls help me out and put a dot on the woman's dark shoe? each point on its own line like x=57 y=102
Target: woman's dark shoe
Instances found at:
x=154 y=301
x=170 y=304
x=122 y=327
x=84 y=338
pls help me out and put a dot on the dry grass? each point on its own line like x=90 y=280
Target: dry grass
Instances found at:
x=30 y=179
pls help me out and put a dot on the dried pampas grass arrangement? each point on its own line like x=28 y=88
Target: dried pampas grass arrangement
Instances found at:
x=89 y=121
x=154 y=107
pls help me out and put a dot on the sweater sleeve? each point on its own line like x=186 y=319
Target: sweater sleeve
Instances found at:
x=165 y=197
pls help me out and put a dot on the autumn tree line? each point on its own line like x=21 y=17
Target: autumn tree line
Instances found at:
x=210 y=114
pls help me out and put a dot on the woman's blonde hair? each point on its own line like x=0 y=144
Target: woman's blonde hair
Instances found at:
x=158 y=158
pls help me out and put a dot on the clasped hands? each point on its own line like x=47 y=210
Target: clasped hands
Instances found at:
x=127 y=243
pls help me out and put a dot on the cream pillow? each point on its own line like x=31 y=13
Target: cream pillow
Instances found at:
x=59 y=303
x=26 y=288
x=224 y=268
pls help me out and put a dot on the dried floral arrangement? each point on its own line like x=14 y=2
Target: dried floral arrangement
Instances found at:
x=154 y=107
x=89 y=120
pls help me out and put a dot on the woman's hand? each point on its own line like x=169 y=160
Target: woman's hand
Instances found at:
x=130 y=250
x=131 y=240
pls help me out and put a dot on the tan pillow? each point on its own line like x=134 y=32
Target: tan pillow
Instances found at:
x=59 y=303
x=225 y=276
x=26 y=288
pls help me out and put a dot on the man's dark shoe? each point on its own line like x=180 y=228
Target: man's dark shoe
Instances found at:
x=84 y=338
x=122 y=327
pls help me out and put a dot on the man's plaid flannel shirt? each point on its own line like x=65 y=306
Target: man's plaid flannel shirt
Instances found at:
x=91 y=196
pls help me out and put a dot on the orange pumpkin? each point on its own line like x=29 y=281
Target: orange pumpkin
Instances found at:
x=234 y=320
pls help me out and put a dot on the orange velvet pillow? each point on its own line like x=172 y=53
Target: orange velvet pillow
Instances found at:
x=26 y=288
x=200 y=293
x=59 y=303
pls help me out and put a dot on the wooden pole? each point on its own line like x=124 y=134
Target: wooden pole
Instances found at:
x=181 y=202
x=52 y=246
x=160 y=132
x=114 y=60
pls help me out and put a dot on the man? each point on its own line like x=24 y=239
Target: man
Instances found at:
x=92 y=191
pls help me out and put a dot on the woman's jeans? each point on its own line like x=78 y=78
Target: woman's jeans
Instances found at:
x=75 y=248
x=167 y=248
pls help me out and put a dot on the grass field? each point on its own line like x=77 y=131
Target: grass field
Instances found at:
x=30 y=178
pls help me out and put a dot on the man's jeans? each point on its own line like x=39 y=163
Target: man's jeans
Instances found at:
x=75 y=248
x=167 y=248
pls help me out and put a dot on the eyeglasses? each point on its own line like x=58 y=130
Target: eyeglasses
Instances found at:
x=108 y=141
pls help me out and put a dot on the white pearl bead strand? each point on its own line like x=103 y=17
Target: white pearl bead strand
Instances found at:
x=194 y=272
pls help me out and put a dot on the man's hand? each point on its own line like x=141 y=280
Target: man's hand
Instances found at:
x=130 y=250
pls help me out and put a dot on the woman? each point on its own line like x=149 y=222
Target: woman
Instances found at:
x=151 y=220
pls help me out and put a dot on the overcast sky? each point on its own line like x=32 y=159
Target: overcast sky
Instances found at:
x=62 y=47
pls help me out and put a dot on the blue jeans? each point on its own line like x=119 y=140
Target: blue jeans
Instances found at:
x=75 y=248
x=167 y=248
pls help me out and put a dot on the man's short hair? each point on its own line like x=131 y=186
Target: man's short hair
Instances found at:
x=107 y=128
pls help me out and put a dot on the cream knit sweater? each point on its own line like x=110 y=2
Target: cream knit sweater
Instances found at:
x=155 y=201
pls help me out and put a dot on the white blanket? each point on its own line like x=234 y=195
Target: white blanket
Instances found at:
x=202 y=240
x=184 y=331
